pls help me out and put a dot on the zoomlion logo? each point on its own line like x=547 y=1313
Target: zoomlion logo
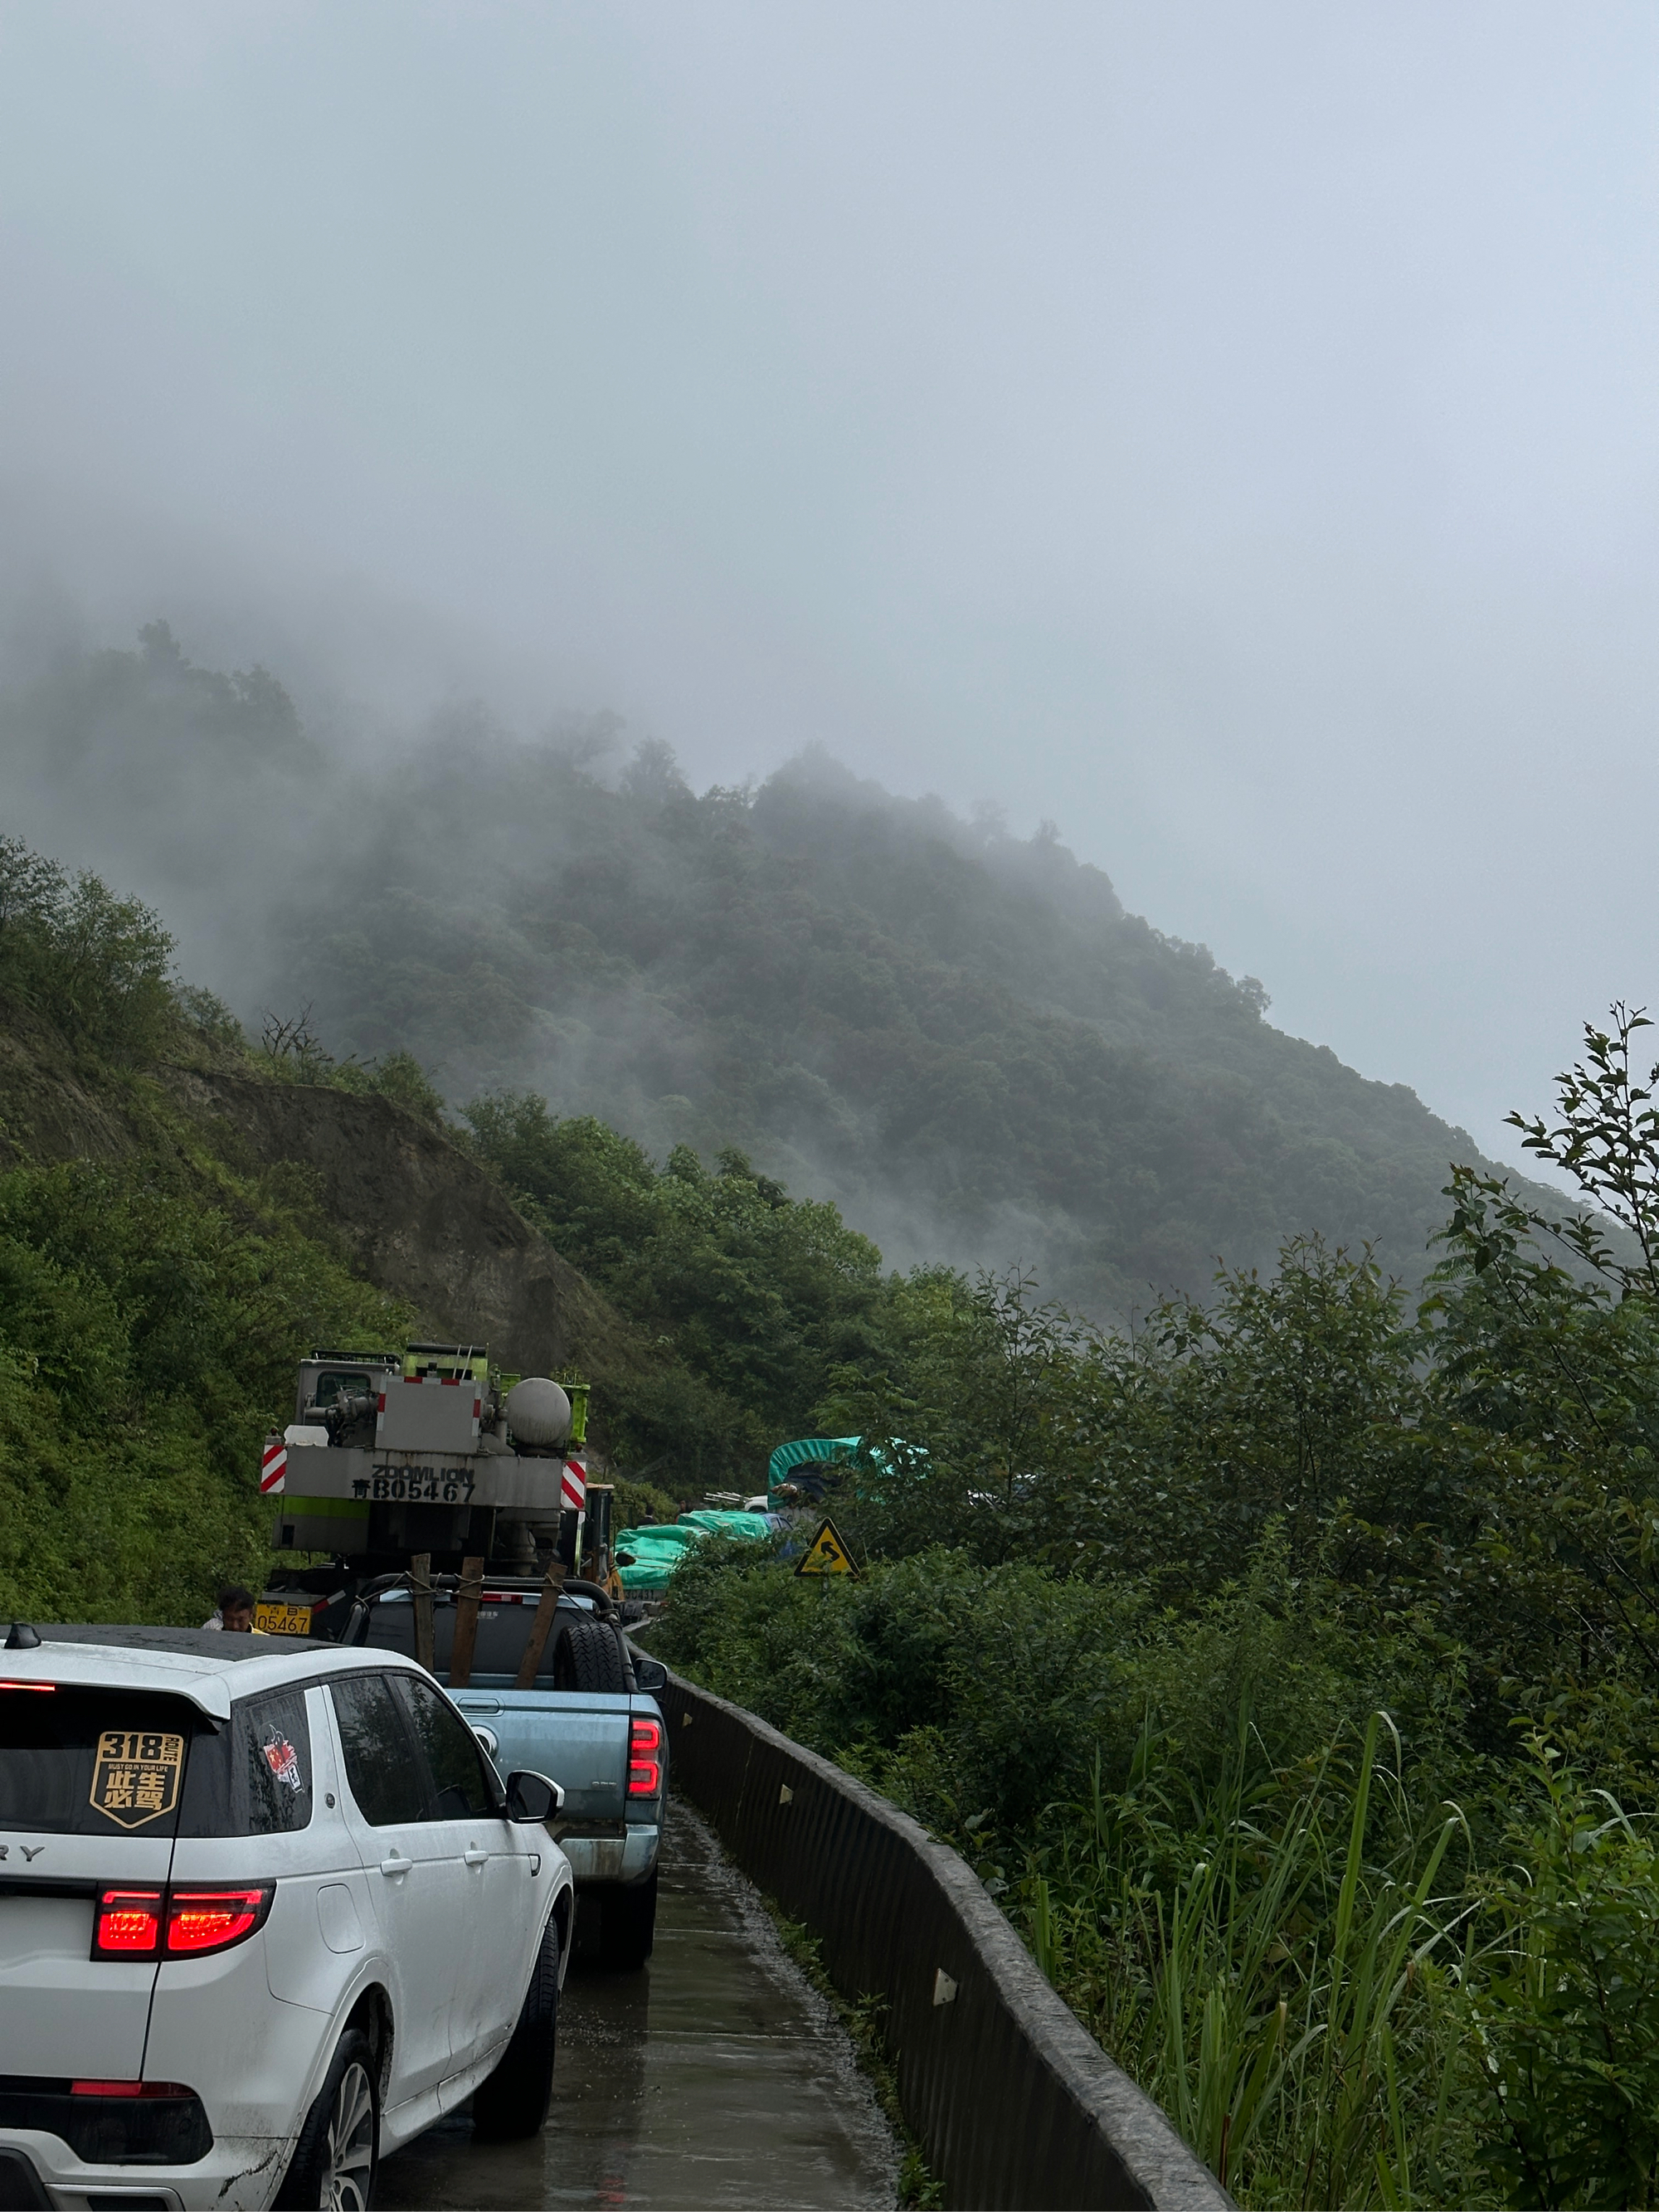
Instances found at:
x=134 y=1777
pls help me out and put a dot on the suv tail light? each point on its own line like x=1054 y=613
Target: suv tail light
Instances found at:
x=114 y=2124
x=129 y=2089
x=129 y=1925
x=177 y=1924
x=200 y=1920
x=644 y=1758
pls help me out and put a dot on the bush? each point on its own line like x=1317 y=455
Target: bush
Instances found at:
x=206 y=1017
x=399 y=1077
x=635 y=1501
x=1566 y=2020
x=147 y=1340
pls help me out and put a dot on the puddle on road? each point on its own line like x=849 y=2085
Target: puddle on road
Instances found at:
x=716 y=2078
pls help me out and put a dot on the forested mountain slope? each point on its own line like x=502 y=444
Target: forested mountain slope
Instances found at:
x=182 y=1219
x=959 y=1036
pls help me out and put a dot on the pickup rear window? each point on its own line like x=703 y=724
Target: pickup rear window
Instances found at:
x=92 y=1762
x=503 y=1632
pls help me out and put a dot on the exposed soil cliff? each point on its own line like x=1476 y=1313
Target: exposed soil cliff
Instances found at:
x=405 y=1208
x=47 y=1112
x=416 y=1216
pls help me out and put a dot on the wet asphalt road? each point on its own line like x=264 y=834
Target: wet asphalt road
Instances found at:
x=717 y=2077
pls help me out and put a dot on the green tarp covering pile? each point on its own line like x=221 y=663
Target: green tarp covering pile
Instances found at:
x=810 y=1462
x=718 y=1522
x=807 y=1452
x=654 y=1553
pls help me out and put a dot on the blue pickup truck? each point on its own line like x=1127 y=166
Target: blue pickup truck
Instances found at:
x=589 y=1722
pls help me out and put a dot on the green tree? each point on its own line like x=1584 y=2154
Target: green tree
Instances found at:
x=97 y=966
x=760 y=1296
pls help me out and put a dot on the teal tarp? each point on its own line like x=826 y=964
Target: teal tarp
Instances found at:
x=803 y=1452
x=822 y=1451
x=652 y=1559
x=654 y=1553
x=652 y=1574
x=664 y=1533
x=757 y=1527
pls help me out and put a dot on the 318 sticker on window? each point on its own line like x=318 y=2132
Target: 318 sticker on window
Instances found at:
x=134 y=1777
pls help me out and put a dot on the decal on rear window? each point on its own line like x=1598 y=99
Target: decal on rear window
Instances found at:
x=135 y=1775
x=284 y=1761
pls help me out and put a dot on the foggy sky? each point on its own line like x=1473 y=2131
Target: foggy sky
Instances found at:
x=1230 y=432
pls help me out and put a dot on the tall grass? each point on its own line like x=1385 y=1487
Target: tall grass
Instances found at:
x=1279 y=1978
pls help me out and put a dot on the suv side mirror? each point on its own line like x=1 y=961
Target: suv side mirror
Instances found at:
x=649 y=1674
x=531 y=1796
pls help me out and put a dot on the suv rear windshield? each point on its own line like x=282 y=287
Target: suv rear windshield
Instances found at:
x=109 y=1762
x=92 y=1762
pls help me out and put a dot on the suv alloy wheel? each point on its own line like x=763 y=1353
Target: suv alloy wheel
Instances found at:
x=513 y=2102
x=338 y=2153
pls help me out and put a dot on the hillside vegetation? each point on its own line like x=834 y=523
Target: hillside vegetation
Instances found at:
x=956 y=1036
x=182 y=1215
x=959 y=1037
x=1291 y=1670
x=152 y=1301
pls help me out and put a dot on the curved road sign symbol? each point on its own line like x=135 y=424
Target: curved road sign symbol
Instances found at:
x=827 y=1554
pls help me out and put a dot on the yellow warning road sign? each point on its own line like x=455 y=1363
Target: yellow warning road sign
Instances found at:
x=826 y=1554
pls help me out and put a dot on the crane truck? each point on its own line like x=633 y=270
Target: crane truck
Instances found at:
x=451 y=1502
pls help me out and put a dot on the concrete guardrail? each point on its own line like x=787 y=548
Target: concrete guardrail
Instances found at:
x=1012 y=2101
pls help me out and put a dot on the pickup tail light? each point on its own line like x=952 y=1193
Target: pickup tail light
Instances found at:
x=644 y=1758
x=176 y=1924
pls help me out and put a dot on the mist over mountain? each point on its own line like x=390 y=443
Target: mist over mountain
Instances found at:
x=957 y=1035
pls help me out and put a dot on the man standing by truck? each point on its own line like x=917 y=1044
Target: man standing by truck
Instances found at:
x=235 y=1610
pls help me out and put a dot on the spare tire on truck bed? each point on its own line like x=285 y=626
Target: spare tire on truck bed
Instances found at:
x=588 y=1656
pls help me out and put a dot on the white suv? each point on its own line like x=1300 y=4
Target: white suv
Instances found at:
x=266 y=1909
